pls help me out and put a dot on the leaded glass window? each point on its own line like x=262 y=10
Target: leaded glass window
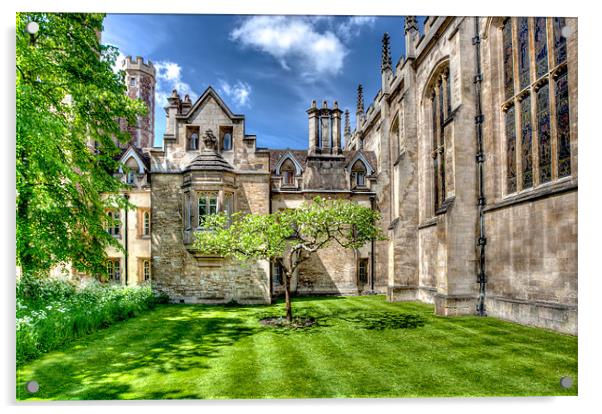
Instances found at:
x=523 y=51
x=541 y=46
x=147 y=223
x=114 y=269
x=358 y=174
x=526 y=142
x=543 y=134
x=511 y=150
x=146 y=269
x=362 y=270
x=559 y=40
x=536 y=105
x=563 y=126
x=508 y=60
x=207 y=205
x=440 y=111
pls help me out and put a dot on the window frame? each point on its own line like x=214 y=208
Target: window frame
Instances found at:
x=114 y=228
x=526 y=157
x=114 y=264
x=207 y=197
x=363 y=263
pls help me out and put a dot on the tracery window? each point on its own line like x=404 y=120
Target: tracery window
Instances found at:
x=536 y=103
x=440 y=112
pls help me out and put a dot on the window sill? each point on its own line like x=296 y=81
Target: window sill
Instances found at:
x=447 y=203
x=542 y=191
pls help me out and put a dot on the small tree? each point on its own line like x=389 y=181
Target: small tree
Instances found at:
x=289 y=237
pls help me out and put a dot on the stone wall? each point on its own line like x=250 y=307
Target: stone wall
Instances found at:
x=184 y=277
x=531 y=262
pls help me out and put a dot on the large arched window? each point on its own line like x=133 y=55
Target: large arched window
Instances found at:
x=440 y=106
x=536 y=101
x=288 y=173
x=358 y=174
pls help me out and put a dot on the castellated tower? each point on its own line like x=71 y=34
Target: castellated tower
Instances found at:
x=140 y=81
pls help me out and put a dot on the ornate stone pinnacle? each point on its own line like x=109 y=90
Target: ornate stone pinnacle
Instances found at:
x=410 y=24
x=360 y=98
x=386 y=53
x=347 y=125
x=209 y=140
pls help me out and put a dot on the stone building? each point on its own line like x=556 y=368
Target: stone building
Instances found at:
x=132 y=228
x=468 y=151
x=475 y=132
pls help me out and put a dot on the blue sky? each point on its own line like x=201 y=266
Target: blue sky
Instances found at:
x=268 y=68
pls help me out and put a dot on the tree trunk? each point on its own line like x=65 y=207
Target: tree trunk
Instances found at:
x=287 y=297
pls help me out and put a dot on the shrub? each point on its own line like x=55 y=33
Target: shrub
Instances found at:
x=52 y=312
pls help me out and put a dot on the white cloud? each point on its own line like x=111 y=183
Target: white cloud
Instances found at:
x=169 y=77
x=295 y=42
x=353 y=25
x=239 y=92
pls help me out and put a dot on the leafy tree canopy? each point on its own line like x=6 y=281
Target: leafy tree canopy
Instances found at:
x=290 y=236
x=69 y=105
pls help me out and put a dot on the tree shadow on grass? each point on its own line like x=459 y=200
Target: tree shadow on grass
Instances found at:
x=384 y=320
x=107 y=364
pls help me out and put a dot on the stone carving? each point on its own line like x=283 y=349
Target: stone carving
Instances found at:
x=210 y=140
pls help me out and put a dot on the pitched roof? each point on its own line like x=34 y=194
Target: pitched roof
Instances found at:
x=210 y=92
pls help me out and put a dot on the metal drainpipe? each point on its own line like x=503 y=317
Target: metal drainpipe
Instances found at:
x=125 y=239
x=372 y=199
x=480 y=158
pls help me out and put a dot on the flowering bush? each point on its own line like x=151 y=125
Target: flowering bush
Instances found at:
x=52 y=312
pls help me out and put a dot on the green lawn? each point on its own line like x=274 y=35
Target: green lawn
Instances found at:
x=197 y=351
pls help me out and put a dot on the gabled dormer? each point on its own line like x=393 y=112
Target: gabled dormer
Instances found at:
x=360 y=171
x=134 y=167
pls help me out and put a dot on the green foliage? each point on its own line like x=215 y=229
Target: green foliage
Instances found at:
x=68 y=99
x=53 y=312
x=303 y=230
x=289 y=236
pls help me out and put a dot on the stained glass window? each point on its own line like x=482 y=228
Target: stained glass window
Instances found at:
x=438 y=109
x=563 y=126
x=434 y=153
x=541 y=46
x=523 y=51
x=510 y=150
x=530 y=113
x=448 y=94
x=526 y=144
x=559 y=40
x=508 y=61
x=543 y=133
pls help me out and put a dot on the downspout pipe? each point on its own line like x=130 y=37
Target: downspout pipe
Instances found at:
x=372 y=201
x=480 y=159
x=125 y=240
